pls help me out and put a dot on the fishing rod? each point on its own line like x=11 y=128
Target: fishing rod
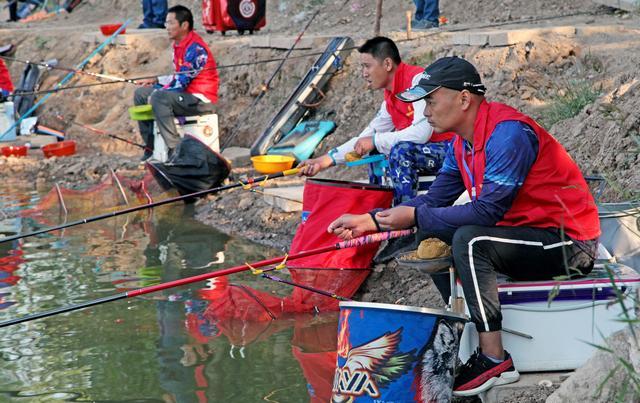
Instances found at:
x=353 y=243
x=66 y=78
x=99 y=131
x=71 y=70
x=265 y=85
x=249 y=182
x=305 y=287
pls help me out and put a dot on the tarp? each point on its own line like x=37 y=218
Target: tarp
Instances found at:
x=324 y=201
x=194 y=168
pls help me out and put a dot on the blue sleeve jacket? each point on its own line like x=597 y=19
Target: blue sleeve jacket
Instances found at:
x=510 y=151
x=195 y=58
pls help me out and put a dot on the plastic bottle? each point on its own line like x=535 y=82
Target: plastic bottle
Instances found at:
x=7 y=120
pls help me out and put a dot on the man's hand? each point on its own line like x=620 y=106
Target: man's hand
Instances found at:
x=349 y=226
x=400 y=217
x=364 y=145
x=312 y=166
x=147 y=82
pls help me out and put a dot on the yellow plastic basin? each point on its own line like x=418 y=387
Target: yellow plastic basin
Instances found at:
x=271 y=164
x=141 y=112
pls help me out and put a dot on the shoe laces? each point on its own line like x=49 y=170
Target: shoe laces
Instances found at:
x=472 y=361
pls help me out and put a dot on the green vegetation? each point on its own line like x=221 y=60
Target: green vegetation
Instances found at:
x=569 y=102
x=423 y=59
x=41 y=42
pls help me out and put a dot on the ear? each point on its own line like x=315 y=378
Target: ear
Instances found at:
x=387 y=64
x=465 y=99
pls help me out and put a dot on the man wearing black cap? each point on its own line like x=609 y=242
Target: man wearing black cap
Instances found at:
x=531 y=214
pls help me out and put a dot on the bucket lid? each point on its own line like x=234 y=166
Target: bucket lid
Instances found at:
x=404 y=308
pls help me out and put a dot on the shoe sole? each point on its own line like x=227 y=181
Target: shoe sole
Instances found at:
x=504 y=378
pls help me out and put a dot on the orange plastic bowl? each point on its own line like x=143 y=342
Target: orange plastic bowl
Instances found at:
x=61 y=149
x=110 y=29
x=271 y=164
x=14 y=151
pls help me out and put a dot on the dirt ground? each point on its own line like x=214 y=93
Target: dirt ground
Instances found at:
x=603 y=58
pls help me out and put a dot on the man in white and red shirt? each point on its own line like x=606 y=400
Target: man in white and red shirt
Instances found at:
x=399 y=130
x=194 y=92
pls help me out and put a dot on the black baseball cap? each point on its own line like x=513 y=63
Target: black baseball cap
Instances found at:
x=448 y=72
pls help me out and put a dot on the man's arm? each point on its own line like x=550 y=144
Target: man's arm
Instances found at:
x=510 y=153
x=418 y=132
x=381 y=122
x=195 y=59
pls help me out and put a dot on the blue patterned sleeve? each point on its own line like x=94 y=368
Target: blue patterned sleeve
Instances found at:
x=447 y=186
x=510 y=152
x=195 y=59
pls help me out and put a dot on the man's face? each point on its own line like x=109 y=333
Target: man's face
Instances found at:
x=375 y=72
x=174 y=29
x=444 y=109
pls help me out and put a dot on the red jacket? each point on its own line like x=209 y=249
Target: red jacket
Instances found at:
x=206 y=82
x=402 y=112
x=554 y=193
x=5 y=78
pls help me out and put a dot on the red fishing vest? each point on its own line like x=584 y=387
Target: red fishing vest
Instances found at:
x=206 y=82
x=402 y=112
x=5 y=79
x=554 y=193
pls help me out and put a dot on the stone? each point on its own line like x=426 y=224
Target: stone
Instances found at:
x=459 y=38
x=287 y=199
x=506 y=37
x=39 y=140
x=478 y=38
x=245 y=203
x=583 y=384
x=237 y=156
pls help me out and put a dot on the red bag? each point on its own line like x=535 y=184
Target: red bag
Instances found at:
x=228 y=15
x=324 y=201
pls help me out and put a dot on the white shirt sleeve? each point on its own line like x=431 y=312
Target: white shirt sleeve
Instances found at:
x=418 y=132
x=381 y=122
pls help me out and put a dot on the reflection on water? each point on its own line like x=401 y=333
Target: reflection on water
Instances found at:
x=168 y=347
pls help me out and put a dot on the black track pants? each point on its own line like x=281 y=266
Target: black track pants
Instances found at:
x=166 y=106
x=521 y=253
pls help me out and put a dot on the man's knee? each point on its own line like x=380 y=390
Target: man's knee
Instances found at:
x=161 y=103
x=140 y=96
x=464 y=236
x=400 y=154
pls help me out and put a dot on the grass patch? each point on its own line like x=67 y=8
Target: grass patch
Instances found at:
x=423 y=60
x=577 y=94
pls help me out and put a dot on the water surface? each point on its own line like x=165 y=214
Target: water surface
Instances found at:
x=164 y=347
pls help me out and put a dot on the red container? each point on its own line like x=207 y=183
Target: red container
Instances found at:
x=109 y=29
x=230 y=15
x=61 y=149
x=14 y=151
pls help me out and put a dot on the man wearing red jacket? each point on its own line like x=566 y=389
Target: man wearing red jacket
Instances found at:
x=6 y=86
x=531 y=214
x=399 y=130
x=192 y=91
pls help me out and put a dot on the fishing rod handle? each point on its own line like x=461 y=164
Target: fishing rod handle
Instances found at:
x=372 y=238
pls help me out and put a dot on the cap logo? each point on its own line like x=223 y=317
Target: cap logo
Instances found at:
x=426 y=76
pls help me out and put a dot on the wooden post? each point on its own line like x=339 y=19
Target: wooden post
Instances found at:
x=376 y=29
x=408 y=24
